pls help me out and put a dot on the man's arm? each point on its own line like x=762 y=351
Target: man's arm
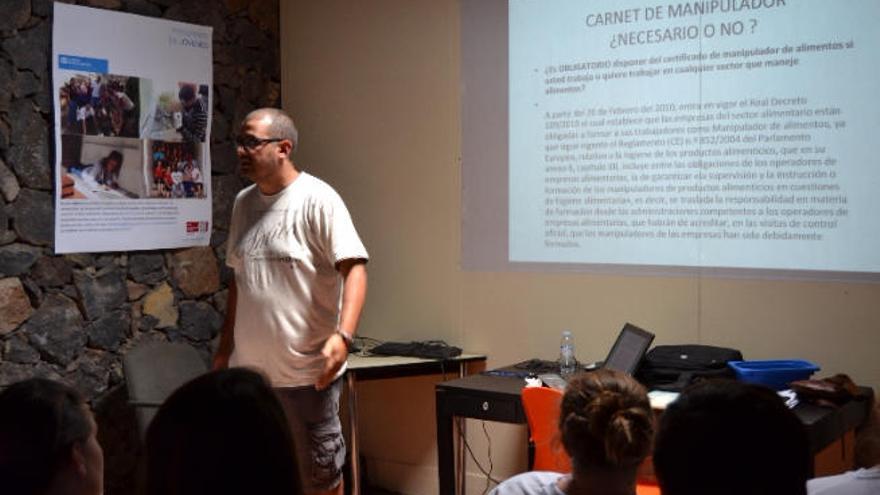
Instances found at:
x=224 y=349
x=354 y=293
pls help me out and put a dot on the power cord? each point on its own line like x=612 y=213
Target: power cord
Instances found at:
x=489 y=457
x=467 y=446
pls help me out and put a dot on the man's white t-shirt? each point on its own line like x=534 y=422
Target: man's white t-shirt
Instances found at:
x=284 y=249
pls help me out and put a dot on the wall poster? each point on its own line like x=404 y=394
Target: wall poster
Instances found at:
x=132 y=131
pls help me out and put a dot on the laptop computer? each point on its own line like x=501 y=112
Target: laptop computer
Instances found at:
x=629 y=349
x=625 y=355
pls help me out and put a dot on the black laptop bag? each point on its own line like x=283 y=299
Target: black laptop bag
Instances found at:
x=674 y=367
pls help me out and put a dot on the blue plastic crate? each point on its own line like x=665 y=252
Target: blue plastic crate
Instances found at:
x=775 y=373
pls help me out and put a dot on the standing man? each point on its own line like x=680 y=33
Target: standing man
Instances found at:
x=294 y=248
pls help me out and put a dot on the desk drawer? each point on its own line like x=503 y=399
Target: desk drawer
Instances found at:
x=492 y=409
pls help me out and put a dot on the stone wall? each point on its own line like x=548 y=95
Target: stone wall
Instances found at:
x=73 y=317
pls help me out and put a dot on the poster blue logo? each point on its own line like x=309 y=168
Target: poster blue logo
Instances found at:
x=74 y=62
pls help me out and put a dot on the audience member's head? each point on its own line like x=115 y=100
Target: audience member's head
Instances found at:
x=606 y=422
x=221 y=433
x=48 y=441
x=726 y=437
x=868 y=440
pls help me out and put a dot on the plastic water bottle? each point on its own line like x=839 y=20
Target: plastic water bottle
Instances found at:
x=567 y=361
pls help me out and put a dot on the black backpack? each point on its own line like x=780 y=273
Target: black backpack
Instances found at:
x=674 y=367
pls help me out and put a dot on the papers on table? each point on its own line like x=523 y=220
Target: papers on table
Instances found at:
x=661 y=398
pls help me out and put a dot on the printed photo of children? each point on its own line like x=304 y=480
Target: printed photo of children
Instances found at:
x=182 y=114
x=101 y=168
x=100 y=105
x=176 y=170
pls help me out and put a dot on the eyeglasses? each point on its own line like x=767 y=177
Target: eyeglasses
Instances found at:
x=251 y=143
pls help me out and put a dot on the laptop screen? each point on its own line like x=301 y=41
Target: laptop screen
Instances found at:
x=628 y=349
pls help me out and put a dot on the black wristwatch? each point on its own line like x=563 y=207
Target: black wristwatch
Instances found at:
x=346 y=337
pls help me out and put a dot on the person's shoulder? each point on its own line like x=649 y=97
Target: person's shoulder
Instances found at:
x=530 y=483
x=316 y=187
x=246 y=192
x=832 y=485
x=313 y=182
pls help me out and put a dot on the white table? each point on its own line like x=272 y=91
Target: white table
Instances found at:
x=377 y=367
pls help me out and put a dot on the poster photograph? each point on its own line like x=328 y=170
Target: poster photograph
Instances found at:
x=100 y=104
x=133 y=127
x=101 y=168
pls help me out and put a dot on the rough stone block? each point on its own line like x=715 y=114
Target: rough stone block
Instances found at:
x=33 y=217
x=109 y=331
x=224 y=159
x=142 y=7
x=16 y=14
x=101 y=293
x=55 y=330
x=15 y=307
x=91 y=376
x=221 y=300
x=15 y=372
x=265 y=14
x=7 y=84
x=42 y=8
x=104 y=4
x=26 y=84
x=30 y=161
x=9 y=186
x=52 y=271
x=195 y=271
x=30 y=49
x=199 y=321
x=135 y=290
x=224 y=188
x=17 y=350
x=147 y=268
x=16 y=259
x=159 y=304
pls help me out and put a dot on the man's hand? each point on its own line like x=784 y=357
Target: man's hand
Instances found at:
x=335 y=353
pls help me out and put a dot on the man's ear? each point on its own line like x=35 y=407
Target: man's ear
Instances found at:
x=286 y=147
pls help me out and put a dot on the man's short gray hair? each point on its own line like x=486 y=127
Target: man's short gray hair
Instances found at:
x=281 y=125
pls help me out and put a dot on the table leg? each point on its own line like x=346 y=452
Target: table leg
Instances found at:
x=460 y=436
x=445 y=452
x=355 y=445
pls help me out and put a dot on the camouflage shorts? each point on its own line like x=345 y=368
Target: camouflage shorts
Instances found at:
x=317 y=434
